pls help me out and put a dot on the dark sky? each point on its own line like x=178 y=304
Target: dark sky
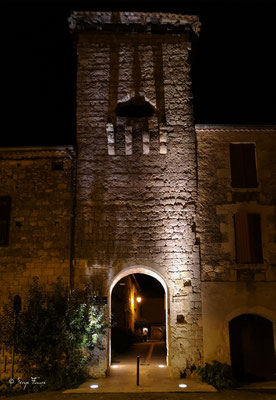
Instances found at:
x=233 y=70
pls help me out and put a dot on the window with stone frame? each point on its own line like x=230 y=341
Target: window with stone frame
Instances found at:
x=248 y=238
x=243 y=165
x=5 y=206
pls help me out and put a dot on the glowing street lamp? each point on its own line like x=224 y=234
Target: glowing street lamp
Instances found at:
x=139 y=299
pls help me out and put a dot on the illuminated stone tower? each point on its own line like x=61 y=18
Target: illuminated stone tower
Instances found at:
x=136 y=165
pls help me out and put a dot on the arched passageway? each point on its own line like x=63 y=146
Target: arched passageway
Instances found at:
x=138 y=306
x=252 y=348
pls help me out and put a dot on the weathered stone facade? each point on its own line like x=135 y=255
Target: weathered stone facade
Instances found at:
x=137 y=207
x=39 y=231
x=145 y=192
x=229 y=288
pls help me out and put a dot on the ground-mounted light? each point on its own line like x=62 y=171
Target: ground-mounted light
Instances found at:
x=94 y=386
x=182 y=385
x=114 y=366
x=161 y=366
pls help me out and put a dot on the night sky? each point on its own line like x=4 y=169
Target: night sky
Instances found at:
x=233 y=65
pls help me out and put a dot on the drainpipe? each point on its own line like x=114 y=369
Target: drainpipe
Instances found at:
x=72 y=218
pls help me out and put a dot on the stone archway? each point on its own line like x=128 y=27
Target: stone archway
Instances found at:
x=139 y=270
x=252 y=347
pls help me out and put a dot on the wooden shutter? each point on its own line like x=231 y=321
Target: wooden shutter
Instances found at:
x=5 y=203
x=248 y=238
x=236 y=161
x=249 y=163
x=242 y=238
x=243 y=165
x=255 y=238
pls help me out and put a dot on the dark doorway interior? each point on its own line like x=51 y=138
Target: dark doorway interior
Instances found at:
x=252 y=348
x=138 y=312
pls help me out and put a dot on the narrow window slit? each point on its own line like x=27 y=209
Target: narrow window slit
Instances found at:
x=128 y=140
x=57 y=165
x=146 y=142
x=110 y=139
x=163 y=139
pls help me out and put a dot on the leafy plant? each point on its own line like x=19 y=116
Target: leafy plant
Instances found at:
x=217 y=374
x=187 y=372
x=55 y=334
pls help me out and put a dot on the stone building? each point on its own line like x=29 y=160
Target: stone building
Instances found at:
x=236 y=228
x=147 y=191
x=125 y=307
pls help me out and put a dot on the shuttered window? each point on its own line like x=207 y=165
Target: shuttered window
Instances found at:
x=243 y=165
x=5 y=205
x=248 y=238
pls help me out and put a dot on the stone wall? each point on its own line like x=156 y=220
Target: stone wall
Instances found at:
x=125 y=308
x=39 y=234
x=230 y=288
x=152 y=310
x=152 y=196
x=137 y=208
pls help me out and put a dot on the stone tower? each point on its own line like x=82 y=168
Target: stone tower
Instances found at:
x=136 y=164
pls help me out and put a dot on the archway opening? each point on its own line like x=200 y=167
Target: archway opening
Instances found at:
x=252 y=348
x=138 y=307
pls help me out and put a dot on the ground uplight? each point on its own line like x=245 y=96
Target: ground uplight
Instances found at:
x=161 y=366
x=94 y=386
x=182 y=385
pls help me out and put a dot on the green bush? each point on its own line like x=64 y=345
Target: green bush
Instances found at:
x=217 y=374
x=55 y=334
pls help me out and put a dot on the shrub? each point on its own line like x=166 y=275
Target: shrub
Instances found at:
x=51 y=333
x=188 y=371
x=217 y=374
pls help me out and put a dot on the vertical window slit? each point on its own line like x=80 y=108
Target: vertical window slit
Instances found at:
x=163 y=139
x=146 y=142
x=110 y=139
x=128 y=140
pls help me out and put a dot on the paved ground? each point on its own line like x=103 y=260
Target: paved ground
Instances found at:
x=157 y=357
x=153 y=376
x=224 y=395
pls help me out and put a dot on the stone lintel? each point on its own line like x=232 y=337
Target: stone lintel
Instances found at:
x=134 y=22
